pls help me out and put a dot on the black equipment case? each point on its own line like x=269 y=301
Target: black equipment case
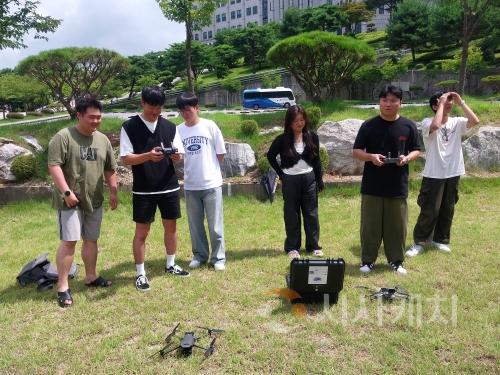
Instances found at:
x=317 y=280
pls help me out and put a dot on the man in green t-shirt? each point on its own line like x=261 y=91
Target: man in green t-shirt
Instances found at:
x=78 y=158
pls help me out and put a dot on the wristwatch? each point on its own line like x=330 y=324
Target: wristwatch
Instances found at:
x=67 y=193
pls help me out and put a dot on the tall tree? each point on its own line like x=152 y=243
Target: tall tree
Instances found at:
x=321 y=60
x=22 y=92
x=409 y=26
x=194 y=14
x=474 y=12
x=200 y=58
x=356 y=13
x=254 y=41
x=390 y=5
x=17 y=18
x=72 y=72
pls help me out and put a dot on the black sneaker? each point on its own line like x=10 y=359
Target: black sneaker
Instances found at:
x=142 y=283
x=176 y=271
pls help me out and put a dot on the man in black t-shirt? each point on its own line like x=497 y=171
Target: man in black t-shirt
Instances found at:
x=386 y=143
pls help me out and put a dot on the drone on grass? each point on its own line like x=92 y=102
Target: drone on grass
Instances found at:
x=388 y=294
x=187 y=342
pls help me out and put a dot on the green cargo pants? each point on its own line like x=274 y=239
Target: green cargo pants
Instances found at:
x=384 y=219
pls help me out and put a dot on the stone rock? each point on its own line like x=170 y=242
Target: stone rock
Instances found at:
x=8 y=151
x=238 y=160
x=482 y=150
x=33 y=142
x=338 y=138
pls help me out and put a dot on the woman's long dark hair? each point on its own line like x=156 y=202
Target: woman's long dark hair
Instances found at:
x=288 y=144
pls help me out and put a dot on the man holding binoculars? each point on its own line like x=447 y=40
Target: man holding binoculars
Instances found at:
x=444 y=165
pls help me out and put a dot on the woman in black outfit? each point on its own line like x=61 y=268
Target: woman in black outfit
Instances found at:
x=300 y=172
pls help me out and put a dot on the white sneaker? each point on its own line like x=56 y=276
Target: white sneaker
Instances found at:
x=194 y=264
x=442 y=247
x=293 y=254
x=366 y=267
x=398 y=268
x=219 y=266
x=415 y=250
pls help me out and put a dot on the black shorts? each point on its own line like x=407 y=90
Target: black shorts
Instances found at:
x=144 y=206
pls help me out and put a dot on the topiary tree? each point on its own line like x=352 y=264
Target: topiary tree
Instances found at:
x=324 y=157
x=449 y=84
x=493 y=82
x=321 y=60
x=263 y=164
x=270 y=81
x=249 y=127
x=314 y=115
x=24 y=167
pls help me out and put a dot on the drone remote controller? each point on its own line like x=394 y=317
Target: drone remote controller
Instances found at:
x=167 y=150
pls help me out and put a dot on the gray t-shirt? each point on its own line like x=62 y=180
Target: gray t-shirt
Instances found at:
x=83 y=161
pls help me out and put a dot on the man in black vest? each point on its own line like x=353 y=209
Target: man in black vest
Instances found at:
x=150 y=144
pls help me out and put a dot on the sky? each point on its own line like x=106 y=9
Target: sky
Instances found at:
x=129 y=27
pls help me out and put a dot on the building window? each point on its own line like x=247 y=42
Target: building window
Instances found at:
x=233 y=15
x=249 y=11
x=217 y=18
x=232 y=1
x=223 y=17
x=238 y=1
x=255 y=9
x=204 y=35
x=210 y=34
x=238 y=13
x=196 y=37
x=381 y=10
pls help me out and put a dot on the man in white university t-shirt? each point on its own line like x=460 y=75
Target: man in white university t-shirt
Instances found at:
x=204 y=151
x=444 y=165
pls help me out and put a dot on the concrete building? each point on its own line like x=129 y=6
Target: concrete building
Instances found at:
x=240 y=13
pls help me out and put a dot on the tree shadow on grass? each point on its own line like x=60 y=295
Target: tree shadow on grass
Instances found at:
x=121 y=274
x=380 y=267
x=242 y=254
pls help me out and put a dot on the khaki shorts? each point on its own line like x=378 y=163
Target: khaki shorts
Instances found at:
x=76 y=224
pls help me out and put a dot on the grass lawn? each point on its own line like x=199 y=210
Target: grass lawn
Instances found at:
x=451 y=326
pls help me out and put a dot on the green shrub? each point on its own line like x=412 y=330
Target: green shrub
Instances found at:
x=24 y=167
x=132 y=106
x=249 y=127
x=448 y=84
x=15 y=115
x=324 y=158
x=37 y=114
x=210 y=105
x=232 y=85
x=314 y=115
x=263 y=164
x=419 y=66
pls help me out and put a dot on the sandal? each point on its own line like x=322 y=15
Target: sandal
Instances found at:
x=99 y=282
x=64 y=299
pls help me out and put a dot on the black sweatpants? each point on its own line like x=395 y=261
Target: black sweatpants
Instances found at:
x=437 y=200
x=300 y=196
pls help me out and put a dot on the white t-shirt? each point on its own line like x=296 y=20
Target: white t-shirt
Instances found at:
x=301 y=167
x=443 y=147
x=202 y=143
x=127 y=148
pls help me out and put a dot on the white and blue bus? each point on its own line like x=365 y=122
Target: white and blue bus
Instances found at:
x=280 y=97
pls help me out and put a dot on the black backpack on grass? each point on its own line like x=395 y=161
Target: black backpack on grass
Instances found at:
x=41 y=272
